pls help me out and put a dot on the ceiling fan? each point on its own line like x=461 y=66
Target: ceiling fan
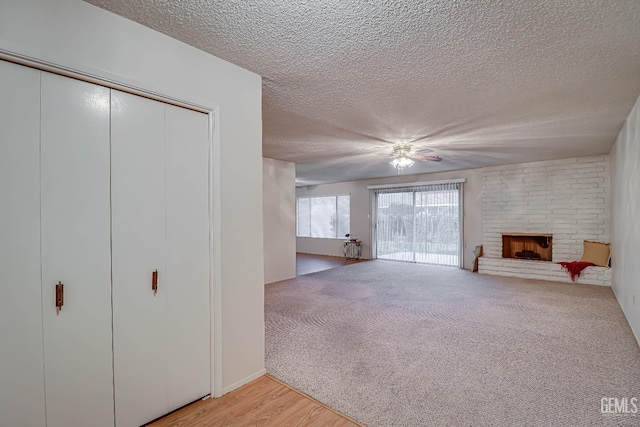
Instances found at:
x=404 y=157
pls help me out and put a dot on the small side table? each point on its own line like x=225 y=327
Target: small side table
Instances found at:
x=352 y=249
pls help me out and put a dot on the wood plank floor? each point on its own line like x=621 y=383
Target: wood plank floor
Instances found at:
x=263 y=402
x=311 y=263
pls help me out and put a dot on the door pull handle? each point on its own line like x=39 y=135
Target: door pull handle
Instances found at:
x=59 y=297
x=154 y=282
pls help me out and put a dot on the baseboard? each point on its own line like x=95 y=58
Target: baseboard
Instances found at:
x=281 y=279
x=243 y=381
x=321 y=254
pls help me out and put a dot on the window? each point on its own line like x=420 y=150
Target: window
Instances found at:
x=327 y=217
x=420 y=224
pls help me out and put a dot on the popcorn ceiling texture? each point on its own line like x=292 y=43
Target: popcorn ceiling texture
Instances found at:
x=482 y=83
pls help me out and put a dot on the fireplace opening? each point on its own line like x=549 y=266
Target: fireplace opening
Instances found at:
x=530 y=246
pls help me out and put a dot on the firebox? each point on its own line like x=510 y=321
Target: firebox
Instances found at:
x=531 y=246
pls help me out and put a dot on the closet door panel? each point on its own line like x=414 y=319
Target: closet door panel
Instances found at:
x=76 y=251
x=21 y=369
x=138 y=226
x=188 y=255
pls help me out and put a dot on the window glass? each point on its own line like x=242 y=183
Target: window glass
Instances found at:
x=327 y=216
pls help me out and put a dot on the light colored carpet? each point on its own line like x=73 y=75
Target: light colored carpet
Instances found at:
x=399 y=344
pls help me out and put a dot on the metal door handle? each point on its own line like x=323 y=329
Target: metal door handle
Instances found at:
x=59 y=297
x=154 y=282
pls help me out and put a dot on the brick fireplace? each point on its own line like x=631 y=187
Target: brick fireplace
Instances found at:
x=536 y=214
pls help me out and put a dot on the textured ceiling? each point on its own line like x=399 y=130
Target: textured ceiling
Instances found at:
x=479 y=82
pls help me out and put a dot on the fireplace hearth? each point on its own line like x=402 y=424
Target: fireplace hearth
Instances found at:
x=529 y=246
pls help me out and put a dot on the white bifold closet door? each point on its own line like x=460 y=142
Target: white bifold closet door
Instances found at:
x=54 y=187
x=188 y=255
x=139 y=249
x=76 y=248
x=159 y=222
x=21 y=348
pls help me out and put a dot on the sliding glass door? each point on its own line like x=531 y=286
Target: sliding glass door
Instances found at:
x=394 y=225
x=419 y=224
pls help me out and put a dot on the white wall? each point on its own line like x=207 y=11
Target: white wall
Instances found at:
x=625 y=218
x=361 y=211
x=74 y=34
x=279 y=200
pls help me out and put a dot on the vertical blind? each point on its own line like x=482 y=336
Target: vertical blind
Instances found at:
x=419 y=224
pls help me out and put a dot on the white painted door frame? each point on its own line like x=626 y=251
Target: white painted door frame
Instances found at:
x=215 y=228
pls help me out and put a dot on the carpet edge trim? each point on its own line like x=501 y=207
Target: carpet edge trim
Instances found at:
x=315 y=400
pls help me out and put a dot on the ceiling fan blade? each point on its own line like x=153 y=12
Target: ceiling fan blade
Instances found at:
x=424 y=157
x=423 y=151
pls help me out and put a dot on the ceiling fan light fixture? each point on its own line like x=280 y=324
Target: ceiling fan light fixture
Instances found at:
x=400 y=158
x=401 y=163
